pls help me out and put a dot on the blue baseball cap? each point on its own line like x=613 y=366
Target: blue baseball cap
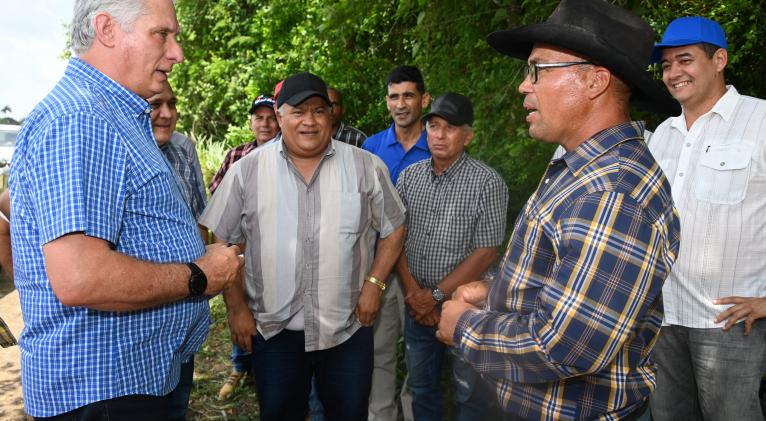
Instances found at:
x=690 y=30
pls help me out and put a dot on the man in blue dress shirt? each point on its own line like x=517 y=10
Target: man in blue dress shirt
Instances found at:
x=399 y=146
x=111 y=270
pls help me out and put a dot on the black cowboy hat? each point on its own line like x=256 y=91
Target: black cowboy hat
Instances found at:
x=608 y=35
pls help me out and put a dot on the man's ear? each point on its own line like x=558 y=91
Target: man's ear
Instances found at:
x=598 y=81
x=468 y=137
x=106 y=27
x=720 y=59
x=425 y=100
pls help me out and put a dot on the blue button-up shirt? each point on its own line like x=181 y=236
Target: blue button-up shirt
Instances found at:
x=386 y=147
x=86 y=161
x=576 y=306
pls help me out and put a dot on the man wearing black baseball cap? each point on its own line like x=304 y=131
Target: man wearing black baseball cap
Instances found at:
x=566 y=330
x=310 y=210
x=713 y=154
x=456 y=212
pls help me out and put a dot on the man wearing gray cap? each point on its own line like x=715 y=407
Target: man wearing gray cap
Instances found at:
x=456 y=210
x=309 y=208
x=714 y=155
x=566 y=329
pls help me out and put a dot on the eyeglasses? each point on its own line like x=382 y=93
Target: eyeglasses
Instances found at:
x=533 y=69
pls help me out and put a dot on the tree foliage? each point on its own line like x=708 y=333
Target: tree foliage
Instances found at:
x=236 y=49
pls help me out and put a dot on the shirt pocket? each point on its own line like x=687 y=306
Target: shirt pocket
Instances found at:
x=457 y=230
x=723 y=173
x=351 y=209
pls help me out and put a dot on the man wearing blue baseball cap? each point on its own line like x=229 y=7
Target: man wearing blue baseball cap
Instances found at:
x=710 y=366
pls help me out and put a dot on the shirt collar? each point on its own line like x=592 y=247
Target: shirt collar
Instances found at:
x=451 y=170
x=391 y=140
x=724 y=107
x=280 y=145
x=600 y=143
x=80 y=69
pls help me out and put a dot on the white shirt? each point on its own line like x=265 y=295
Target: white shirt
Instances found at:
x=717 y=171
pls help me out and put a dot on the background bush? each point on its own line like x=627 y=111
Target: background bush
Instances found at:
x=237 y=49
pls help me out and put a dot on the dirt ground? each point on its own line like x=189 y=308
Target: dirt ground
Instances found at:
x=11 y=405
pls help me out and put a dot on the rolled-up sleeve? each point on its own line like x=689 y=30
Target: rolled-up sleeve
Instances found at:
x=387 y=207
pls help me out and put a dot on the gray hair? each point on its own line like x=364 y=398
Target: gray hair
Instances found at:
x=125 y=12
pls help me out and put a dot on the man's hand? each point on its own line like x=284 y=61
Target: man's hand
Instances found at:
x=221 y=265
x=748 y=308
x=242 y=327
x=420 y=302
x=368 y=304
x=451 y=312
x=474 y=293
x=430 y=319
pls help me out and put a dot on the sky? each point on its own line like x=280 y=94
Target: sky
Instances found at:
x=32 y=39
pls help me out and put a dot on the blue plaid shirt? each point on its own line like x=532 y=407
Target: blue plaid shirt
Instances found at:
x=576 y=307
x=86 y=161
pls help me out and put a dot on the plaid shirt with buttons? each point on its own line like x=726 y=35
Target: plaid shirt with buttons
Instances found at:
x=575 y=309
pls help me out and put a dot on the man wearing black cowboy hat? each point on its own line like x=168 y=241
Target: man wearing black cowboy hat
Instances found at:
x=566 y=329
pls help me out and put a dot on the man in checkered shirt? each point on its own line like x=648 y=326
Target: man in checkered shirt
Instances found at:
x=456 y=212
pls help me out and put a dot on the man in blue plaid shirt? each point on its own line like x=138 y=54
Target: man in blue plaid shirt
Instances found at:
x=111 y=271
x=566 y=329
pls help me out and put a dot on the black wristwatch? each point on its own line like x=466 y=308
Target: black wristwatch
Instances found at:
x=197 y=281
x=438 y=295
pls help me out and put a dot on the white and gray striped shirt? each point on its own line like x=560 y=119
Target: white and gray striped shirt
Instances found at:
x=717 y=171
x=309 y=245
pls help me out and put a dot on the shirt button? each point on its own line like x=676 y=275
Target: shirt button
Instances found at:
x=680 y=174
x=723 y=164
x=688 y=144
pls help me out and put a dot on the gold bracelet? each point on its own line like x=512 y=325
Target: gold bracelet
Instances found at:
x=377 y=282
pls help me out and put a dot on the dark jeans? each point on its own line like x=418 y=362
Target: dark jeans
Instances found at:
x=171 y=407
x=240 y=359
x=124 y=408
x=284 y=370
x=475 y=399
x=178 y=399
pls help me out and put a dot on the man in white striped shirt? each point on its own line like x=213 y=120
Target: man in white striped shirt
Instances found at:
x=310 y=209
x=714 y=155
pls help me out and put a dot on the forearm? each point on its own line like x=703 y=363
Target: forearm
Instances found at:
x=234 y=297
x=6 y=255
x=386 y=253
x=403 y=269
x=469 y=270
x=85 y=272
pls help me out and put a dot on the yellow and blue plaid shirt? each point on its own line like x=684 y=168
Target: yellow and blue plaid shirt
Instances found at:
x=575 y=308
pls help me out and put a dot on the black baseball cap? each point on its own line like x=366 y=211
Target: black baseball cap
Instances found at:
x=300 y=87
x=454 y=108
